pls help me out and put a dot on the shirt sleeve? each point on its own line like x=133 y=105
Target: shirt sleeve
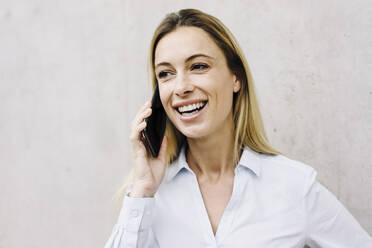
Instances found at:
x=133 y=228
x=329 y=223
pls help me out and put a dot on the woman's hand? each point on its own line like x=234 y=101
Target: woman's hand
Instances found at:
x=148 y=171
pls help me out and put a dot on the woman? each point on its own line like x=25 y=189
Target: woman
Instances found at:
x=217 y=182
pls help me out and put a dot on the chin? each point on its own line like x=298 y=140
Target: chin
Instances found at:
x=193 y=132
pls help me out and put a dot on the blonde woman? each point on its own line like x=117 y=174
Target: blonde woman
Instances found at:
x=217 y=182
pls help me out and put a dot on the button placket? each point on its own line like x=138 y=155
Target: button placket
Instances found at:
x=201 y=211
x=231 y=208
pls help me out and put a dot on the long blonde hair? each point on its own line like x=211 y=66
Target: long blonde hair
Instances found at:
x=248 y=127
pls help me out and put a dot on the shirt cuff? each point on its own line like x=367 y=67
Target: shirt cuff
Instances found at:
x=136 y=213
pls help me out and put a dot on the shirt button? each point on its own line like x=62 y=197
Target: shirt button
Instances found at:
x=134 y=213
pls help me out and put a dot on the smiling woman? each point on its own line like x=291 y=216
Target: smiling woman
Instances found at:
x=216 y=181
x=196 y=74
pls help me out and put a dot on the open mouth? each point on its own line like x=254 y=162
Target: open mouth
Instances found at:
x=191 y=109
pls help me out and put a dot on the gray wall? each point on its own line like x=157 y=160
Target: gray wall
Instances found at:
x=73 y=74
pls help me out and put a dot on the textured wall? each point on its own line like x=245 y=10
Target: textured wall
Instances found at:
x=73 y=74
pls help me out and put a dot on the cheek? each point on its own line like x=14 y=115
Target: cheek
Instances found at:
x=224 y=96
x=221 y=86
x=165 y=97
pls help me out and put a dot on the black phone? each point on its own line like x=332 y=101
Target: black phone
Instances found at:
x=153 y=134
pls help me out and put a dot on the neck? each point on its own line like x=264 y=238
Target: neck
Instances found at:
x=212 y=157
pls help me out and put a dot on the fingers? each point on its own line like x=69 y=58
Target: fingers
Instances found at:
x=143 y=113
x=146 y=105
x=138 y=124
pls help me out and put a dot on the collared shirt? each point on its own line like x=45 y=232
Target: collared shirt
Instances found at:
x=276 y=202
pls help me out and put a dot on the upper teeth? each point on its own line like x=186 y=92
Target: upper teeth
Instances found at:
x=191 y=107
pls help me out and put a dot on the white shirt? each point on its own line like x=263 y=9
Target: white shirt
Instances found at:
x=276 y=203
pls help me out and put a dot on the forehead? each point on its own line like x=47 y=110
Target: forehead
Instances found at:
x=184 y=42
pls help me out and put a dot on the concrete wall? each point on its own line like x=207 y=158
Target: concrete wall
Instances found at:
x=73 y=74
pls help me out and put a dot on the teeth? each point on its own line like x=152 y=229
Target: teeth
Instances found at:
x=191 y=107
x=188 y=114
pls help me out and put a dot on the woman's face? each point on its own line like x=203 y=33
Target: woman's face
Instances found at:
x=195 y=84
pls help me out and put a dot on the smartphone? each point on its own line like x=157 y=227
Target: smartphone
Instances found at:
x=153 y=134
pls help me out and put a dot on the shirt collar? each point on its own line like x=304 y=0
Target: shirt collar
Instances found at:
x=249 y=159
x=177 y=165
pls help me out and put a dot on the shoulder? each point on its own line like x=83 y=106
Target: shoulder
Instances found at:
x=288 y=177
x=284 y=166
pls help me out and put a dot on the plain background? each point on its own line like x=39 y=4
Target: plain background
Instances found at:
x=74 y=73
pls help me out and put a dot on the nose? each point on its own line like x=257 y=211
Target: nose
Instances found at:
x=183 y=85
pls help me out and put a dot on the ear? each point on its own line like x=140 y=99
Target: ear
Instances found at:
x=237 y=84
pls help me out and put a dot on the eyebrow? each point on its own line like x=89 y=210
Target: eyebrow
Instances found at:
x=187 y=60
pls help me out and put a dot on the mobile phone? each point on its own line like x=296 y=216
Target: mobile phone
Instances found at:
x=153 y=134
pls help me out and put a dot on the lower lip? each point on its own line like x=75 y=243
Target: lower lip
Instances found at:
x=192 y=117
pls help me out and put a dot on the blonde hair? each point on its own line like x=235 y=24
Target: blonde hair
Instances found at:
x=248 y=127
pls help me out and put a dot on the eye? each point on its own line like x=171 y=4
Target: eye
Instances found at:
x=199 y=67
x=163 y=74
